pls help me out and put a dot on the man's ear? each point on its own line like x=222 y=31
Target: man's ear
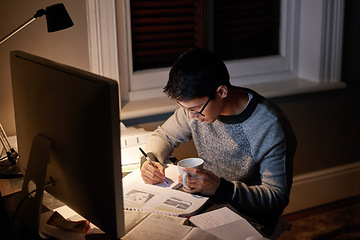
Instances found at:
x=222 y=91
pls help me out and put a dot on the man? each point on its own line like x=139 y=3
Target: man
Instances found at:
x=245 y=140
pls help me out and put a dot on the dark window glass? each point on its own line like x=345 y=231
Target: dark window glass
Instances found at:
x=234 y=29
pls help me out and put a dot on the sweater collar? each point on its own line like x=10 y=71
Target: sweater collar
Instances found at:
x=248 y=111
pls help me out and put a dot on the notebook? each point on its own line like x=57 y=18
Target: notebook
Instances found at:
x=161 y=198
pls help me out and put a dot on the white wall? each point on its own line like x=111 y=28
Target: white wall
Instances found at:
x=68 y=46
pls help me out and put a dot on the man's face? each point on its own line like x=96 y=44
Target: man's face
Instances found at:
x=202 y=109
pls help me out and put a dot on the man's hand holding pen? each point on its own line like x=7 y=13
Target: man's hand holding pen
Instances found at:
x=152 y=171
x=152 y=175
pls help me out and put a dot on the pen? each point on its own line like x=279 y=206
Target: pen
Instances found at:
x=152 y=164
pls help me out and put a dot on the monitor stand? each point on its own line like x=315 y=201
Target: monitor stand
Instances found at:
x=30 y=209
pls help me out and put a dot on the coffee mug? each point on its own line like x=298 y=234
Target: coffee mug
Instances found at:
x=189 y=163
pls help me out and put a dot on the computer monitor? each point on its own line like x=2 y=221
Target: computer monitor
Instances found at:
x=69 y=119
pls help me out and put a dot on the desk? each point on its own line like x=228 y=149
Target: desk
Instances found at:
x=11 y=188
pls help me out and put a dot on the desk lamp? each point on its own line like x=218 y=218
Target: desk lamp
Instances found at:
x=57 y=18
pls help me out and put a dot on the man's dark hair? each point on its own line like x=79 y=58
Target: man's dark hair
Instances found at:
x=196 y=73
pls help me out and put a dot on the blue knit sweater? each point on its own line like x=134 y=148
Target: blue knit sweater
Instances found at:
x=251 y=152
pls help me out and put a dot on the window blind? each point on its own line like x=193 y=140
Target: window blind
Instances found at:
x=162 y=30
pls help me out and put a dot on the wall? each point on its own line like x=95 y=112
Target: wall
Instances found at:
x=327 y=127
x=68 y=46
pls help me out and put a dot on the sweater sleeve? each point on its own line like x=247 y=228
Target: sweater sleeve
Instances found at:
x=168 y=136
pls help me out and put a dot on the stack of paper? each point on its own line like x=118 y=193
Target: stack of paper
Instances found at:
x=131 y=139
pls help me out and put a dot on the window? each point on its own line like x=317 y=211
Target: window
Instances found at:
x=308 y=59
x=233 y=29
x=245 y=29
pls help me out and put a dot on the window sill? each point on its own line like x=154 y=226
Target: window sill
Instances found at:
x=162 y=105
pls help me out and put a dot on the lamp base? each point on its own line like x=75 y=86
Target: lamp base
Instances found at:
x=9 y=170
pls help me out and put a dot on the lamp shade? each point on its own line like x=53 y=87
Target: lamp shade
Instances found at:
x=57 y=18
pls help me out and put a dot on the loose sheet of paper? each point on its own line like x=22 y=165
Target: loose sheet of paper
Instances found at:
x=215 y=218
x=225 y=224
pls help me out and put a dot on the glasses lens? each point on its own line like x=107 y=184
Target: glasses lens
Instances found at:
x=193 y=111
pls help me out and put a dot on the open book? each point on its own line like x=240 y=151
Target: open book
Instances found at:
x=161 y=198
x=145 y=225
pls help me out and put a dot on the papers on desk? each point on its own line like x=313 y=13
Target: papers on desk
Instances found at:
x=154 y=204
x=131 y=139
x=46 y=230
x=138 y=225
x=161 y=198
x=159 y=226
x=226 y=224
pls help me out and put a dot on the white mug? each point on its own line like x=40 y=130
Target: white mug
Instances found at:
x=189 y=163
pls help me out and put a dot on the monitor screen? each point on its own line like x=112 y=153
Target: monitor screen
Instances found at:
x=79 y=112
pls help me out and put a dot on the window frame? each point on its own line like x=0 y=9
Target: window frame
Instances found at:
x=309 y=59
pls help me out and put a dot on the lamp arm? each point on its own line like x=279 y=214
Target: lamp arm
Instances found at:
x=17 y=30
x=12 y=155
x=39 y=13
x=4 y=140
x=4 y=144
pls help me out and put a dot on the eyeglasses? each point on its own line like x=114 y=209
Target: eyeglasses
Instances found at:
x=193 y=111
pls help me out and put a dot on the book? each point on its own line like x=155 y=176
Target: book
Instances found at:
x=159 y=226
x=226 y=224
x=161 y=198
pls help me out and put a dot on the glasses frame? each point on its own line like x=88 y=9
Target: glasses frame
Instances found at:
x=193 y=111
